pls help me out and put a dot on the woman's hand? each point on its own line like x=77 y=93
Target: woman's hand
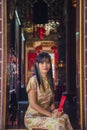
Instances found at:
x=56 y=113
x=60 y=112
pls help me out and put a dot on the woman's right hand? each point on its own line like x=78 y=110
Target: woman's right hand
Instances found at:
x=54 y=114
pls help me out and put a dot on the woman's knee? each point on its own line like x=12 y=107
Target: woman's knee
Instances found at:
x=65 y=115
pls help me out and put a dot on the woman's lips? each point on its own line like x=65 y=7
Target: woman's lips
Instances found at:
x=45 y=68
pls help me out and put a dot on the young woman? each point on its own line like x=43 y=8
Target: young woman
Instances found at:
x=41 y=112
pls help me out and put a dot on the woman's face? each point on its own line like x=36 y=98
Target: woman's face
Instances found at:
x=44 y=66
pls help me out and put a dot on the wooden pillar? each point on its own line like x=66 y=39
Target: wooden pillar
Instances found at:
x=3 y=45
x=83 y=63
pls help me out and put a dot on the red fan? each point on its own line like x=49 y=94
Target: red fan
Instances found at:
x=62 y=101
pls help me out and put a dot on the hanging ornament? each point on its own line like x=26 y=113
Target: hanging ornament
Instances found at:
x=40 y=31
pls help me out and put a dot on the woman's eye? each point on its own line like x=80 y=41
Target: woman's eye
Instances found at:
x=48 y=62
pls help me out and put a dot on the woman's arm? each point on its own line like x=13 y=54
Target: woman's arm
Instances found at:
x=52 y=107
x=54 y=110
x=34 y=105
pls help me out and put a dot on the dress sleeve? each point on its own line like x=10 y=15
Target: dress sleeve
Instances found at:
x=32 y=84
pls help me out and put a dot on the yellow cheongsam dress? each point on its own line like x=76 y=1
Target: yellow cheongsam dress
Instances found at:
x=33 y=119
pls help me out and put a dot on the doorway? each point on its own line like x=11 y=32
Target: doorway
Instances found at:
x=66 y=62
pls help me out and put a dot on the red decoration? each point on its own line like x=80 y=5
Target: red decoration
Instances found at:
x=31 y=59
x=40 y=32
x=55 y=51
x=63 y=99
x=38 y=49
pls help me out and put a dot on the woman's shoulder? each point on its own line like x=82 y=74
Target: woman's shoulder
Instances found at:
x=32 y=83
x=33 y=77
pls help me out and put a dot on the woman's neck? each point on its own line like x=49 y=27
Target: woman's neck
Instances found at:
x=44 y=75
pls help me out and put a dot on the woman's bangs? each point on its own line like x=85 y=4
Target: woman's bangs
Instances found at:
x=45 y=59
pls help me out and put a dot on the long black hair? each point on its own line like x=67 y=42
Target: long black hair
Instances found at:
x=40 y=58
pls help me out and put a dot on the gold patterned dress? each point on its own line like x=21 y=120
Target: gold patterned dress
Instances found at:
x=33 y=119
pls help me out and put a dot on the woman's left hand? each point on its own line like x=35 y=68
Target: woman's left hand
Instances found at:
x=58 y=113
